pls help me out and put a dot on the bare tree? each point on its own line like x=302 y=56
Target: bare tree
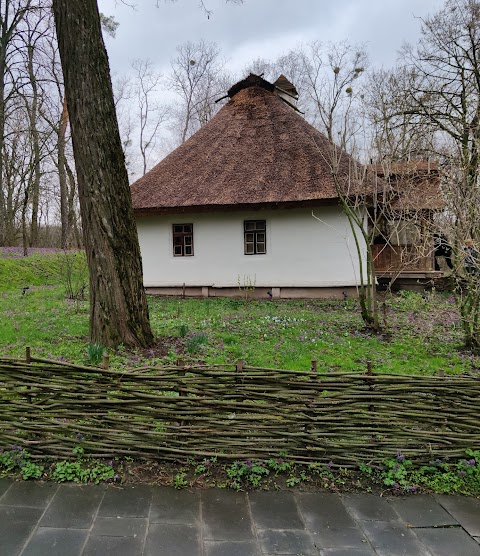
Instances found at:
x=35 y=28
x=151 y=114
x=331 y=76
x=397 y=134
x=12 y=13
x=446 y=94
x=196 y=78
x=328 y=79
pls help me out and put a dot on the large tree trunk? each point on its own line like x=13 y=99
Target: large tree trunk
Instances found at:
x=118 y=306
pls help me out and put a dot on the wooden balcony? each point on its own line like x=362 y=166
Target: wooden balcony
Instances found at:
x=402 y=259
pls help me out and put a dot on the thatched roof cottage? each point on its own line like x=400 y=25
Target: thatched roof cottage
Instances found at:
x=249 y=200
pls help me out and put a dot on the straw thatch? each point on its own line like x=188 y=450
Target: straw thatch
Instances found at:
x=256 y=152
x=415 y=185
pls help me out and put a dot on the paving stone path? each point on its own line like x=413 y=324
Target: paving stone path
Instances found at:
x=62 y=520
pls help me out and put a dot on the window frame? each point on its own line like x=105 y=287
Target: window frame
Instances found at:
x=182 y=239
x=253 y=230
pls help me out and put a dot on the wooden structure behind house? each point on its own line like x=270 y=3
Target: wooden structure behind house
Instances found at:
x=404 y=247
x=248 y=202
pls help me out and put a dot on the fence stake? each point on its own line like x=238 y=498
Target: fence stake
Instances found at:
x=313 y=368
x=239 y=365
x=105 y=361
x=180 y=364
x=370 y=383
x=28 y=360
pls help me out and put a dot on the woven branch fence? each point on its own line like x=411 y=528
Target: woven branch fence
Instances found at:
x=235 y=413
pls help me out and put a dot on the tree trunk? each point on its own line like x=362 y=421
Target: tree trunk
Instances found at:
x=72 y=215
x=62 y=174
x=118 y=306
x=3 y=54
x=33 y=119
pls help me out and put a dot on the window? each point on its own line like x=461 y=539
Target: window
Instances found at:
x=255 y=237
x=182 y=240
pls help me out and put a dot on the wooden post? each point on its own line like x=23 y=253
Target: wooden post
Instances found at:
x=313 y=368
x=441 y=373
x=28 y=361
x=105 y=361
x=239 y=369
x=180 y=363
x=370 y=383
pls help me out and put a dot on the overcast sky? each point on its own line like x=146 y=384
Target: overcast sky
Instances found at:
x=260 y=28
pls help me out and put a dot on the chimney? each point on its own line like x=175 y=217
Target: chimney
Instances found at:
x=286 y=91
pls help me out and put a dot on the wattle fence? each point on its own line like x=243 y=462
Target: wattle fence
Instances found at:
x=235 y=413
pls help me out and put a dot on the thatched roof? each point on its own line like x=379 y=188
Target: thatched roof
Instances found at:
x=255 y=152
x=416 y=184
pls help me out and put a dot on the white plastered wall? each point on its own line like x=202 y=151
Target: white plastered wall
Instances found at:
x=302 y=251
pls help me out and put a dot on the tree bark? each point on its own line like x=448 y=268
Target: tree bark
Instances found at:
x=62 y=174
x=72 y=214
x=118 y=306
x=33 y=119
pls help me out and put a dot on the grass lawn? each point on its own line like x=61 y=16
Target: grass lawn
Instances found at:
x=421 y=336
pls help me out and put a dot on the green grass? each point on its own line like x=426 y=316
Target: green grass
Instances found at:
x=421 y=336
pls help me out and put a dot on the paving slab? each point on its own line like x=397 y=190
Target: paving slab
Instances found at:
x=30 y=494
x=128 y=501
x=390 y=538
x=39 y=519
x=172 y=539
x=4 y=485
x=464 y=509
x=287 y=542
x=73 y=507
x=48 y=541
x=119 y=527
x=347 y=552
x=174 y=506
x=115 y=546
x=323 y=509
x=368 y=507
x=230 y=548
x=275 y=510
x=326 y=517
x=451 y=541
x=225 y=516
x=16 y=525
x=422 y=511
x=351 y=537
